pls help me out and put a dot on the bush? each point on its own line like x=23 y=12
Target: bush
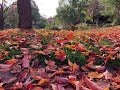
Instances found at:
x=51 y=27
x=55 y=28
x=83 y=26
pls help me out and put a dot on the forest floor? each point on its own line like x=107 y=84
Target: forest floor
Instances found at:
x=60 y=60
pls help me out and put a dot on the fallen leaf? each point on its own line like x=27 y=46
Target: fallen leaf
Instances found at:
x=1 y=86
x=11 y=61
x=61 y=80
x=38 y=52
x=95 y=75
x=92 y=85
x=74 y=67
x=58 y=72
x=37 y=88
x=107 y=88
x=23 y=75
x=26 y=61
x=107 y=74
x=43 y=81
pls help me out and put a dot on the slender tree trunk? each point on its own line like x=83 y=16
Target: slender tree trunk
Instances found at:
x=97 y=21
x=25 y=14
x=1 y=17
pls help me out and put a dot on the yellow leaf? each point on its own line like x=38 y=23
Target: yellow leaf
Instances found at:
x=107 y=88
x=95 y=75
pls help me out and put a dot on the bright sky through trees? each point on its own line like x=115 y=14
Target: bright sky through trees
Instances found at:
x=47 y=7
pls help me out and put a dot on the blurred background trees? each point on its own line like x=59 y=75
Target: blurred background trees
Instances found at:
x=71 y=14
x=91 y=13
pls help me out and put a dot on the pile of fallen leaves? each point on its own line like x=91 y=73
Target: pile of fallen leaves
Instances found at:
x=60 y=60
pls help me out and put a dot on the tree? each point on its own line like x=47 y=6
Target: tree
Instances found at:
x=117 y=10
x=71 y=12
x=94 y=9
x=1 y=16
x=35 y=12
x=11 y=16
x=4 y=7
x=25 y=14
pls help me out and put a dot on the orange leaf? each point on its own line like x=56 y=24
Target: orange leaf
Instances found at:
x=38 y=52
x=1 y=88
x=74 y=67
x=74 y=82
x=11 y=61
x=116 y=79
x=60 y=55
x=107 y=88
x=37 y=88
x=58 y=72
x=43 y=81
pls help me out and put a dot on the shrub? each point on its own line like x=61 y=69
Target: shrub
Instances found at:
x=83 y=26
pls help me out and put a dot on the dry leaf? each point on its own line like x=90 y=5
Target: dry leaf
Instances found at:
x=95 y=75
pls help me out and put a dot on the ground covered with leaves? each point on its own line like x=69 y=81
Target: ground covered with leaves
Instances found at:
x=60 y=60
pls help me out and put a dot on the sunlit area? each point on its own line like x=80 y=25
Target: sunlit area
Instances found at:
x=59 y=44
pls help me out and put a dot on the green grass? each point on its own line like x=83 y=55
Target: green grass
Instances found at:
x=75 y=57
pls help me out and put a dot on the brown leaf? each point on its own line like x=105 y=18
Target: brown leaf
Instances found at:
x=1 y=57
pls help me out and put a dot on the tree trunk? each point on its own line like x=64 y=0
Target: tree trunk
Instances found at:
x=25 y=14
x=97 y=21
x=1 y=17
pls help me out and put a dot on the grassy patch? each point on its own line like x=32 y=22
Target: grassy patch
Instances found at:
x=75 y=57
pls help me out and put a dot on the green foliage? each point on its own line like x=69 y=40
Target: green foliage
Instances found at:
x=1 y=47
x=83 y=26
x=70 y=12
x=114 y=63
x=14 y=52
x=45 y=40
x=75 y=57
x=105 y=42
x=99 y=12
